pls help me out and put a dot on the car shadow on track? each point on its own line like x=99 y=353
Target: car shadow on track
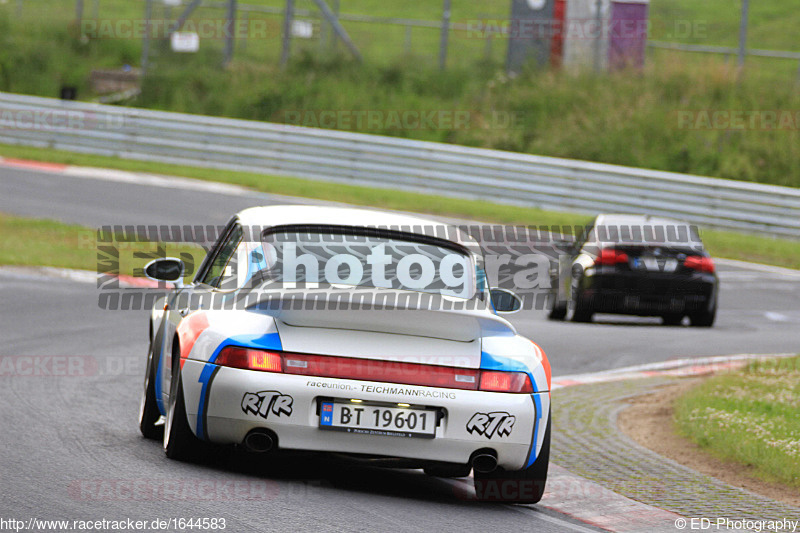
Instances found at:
x=321 y=472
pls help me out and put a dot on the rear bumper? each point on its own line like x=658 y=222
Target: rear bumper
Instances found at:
x=216 y=413
x=634 y=293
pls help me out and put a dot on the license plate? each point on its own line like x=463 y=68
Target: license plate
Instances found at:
x=655 y=264
x=369 y=419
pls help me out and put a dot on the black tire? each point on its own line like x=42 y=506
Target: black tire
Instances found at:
x=580 y=311
x=704 y=319
x=516 y=486
x=672 y=320
x=148 y=407
x=582 y=315
x=558 y=311
x=179 y=441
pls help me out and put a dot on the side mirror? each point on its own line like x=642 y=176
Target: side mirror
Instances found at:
x=166 y=269
x=505 y=301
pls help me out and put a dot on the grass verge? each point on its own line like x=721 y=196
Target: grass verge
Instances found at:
x=26 y=241
x=749 y=416
x=780 y=252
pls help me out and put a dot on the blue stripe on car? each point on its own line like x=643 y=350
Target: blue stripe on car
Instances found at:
x=500 y=363
x=538 y=404
x=270 y=341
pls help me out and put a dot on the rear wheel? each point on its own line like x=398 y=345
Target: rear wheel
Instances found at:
x=516 y=486
x=581 y=312
x=148 y=408
x=704 y=319
x=559 y=309
x=179 y=441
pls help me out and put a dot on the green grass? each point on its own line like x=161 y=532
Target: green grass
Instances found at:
x=781 y=252
x=624 y=118
x=35 y=242
x=749 y=416
x=773 y=24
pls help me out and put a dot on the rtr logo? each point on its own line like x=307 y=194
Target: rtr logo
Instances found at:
x=490 y=424
x=265 y=402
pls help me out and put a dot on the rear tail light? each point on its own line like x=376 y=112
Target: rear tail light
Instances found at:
x=610 y=256
x=386 y=371
x=505 y=382
x=372 y=370
x=237 y=357
x=699 y=263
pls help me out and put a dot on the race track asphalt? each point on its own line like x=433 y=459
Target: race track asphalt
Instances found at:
x=71 y=445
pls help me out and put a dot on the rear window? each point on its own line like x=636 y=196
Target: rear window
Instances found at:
x=676 y=237
x=320 y=257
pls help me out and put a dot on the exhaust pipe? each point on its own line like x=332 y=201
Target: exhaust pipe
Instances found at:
x=259 y=441
x=484 y=462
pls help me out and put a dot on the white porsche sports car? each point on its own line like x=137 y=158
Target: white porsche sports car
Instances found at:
x=351 y=331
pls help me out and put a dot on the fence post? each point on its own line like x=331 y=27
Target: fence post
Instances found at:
x=333 y=38
x=79 y=12
x=246 y=19
x=407 y=43
x=286 y=43
x=743 y=32
x=229 y=37
x=445 y=34
x=599 y=41
x=148 y=14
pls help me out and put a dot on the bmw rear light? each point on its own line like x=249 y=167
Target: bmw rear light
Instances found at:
x=373 y=370
x=505 y=382
x=699 y=263
x=237 y=357
x=610 y=256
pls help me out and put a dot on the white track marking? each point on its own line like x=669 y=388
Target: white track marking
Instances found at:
x=776 y=317
x=759 y=267
x=684 y=367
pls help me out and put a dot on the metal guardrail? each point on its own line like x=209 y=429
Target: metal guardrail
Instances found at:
x=393 y=163
x=725 y=50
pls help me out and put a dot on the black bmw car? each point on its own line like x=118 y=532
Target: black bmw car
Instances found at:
x=636 y=265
